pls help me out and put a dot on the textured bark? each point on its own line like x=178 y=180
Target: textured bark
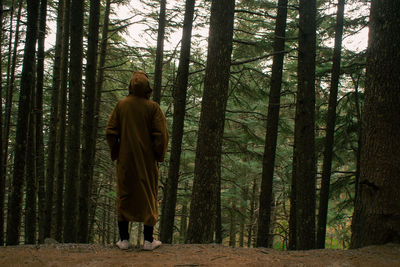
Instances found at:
x=11 y=65
x=376 y=218
x=51 y=170
x=159 y=53
x=62 y=103
x=330 y=128
x=303 y=153
x=30 y=193
x=169 y=200
x=89 y=140
x=264 y=216
x=209 y=143
x=74 y=122
x=39 y=154
x=2 y=175
x=252 y=212
x=232 y=225
x=27 y=86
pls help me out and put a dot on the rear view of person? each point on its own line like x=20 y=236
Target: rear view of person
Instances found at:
x=137 y=135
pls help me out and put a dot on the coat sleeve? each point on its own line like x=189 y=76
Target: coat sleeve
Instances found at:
x=113 y=133
x=159 y=134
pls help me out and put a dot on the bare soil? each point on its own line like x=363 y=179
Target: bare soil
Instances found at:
x=193 y=255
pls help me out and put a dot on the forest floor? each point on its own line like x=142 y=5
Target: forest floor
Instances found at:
x=193 y=255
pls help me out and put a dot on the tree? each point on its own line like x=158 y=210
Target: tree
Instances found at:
x=86 y=173
x=330 y=128
x=39 y=153
x=27 y=87
x=169 y=200
x=159 y=53
x=211 y=128
x=303 y=151
x=74 y=122
x=62 y=103
x=376 y=218
x=11 y=66
x=272 y=127
x=2 y=176
x=51 y=172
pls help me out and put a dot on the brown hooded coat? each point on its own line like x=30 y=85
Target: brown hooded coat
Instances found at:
x=137 y=135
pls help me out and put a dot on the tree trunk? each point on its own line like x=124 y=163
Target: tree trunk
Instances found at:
x=169 y=200
x=330 y=129
x=232 y=229
x=31 y=178
x=39 y=123
x=159 y=53
x=89 y=140
x=252 y=211
x=62 y=103
x=209 y=144
x=11 y=66
x=51 y=171
x=376 y=218
x=2 y=176
x=304 y=152
x=24 y=107
x=74 y=122
x=272 y=128
x=218 y=219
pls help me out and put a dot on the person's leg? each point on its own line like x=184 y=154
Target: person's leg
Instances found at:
x=148 y=233
x=123 y=230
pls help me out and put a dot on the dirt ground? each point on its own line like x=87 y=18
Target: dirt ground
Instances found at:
x=193 y=255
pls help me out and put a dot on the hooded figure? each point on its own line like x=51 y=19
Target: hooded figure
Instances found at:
x=137 y=135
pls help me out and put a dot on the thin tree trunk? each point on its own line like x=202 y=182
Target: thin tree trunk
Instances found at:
x=74 y=123
x=27 y=86
x=159 y=53
x=304 y=152
x=252 y=211
x=232 y=229
x=211 y=128
x=11 y=66
x=218 y=216
x=62 y=103
x=376 y=218
x=89 y=140
x=330 y=129
x=264 y=218
x=39 y=123
x=169 y=200
x=51 y=171
x=31 y=178
x=2 y=175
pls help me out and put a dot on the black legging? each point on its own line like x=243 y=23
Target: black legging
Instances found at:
x=124 y=233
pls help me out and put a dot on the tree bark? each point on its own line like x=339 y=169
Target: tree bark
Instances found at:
x=62 y=103
x=169 y=200
x=2 y=175
x=74 y=122
x=31 y=177
x=27 y=86
x=304 y=152
x=51 y=170
x=330 y=128
x=376 y=218
x=89 y=140
x=39 y=123
x=209 y=143
x=159 y=53
x=11 y=65
x=264 y=217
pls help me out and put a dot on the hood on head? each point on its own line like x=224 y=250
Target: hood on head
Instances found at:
x=140 y=85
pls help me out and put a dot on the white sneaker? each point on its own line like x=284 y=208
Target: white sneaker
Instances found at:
x=151 y=245
x=124 y=244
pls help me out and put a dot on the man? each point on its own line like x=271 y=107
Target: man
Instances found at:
x=137 y=135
